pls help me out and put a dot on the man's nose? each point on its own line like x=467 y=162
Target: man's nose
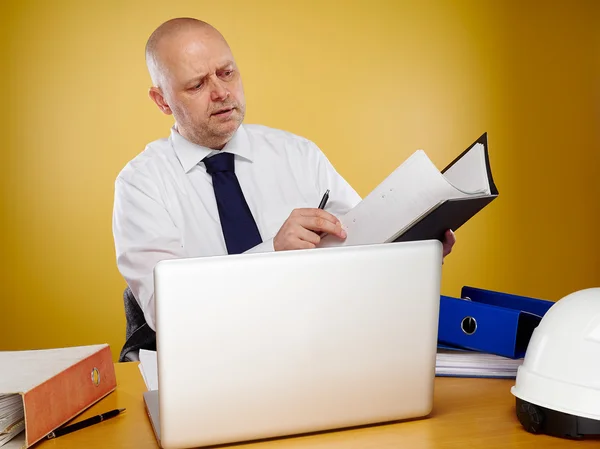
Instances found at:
x=218 y=91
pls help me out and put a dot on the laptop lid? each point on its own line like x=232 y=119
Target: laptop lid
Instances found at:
x=263 y=345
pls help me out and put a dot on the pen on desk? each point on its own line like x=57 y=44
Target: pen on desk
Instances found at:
x=85 y=423
x=324 y=200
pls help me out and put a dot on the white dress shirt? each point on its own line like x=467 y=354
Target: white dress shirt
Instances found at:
x=165 y=206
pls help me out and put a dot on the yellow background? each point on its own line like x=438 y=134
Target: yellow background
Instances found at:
x=370 y=82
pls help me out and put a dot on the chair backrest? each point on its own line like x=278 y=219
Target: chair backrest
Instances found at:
x=138 y=335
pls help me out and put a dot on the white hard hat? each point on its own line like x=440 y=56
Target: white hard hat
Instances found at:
x=557 y=388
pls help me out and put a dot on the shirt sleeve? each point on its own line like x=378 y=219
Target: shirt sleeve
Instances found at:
x=144 y=234
x=264 y=247
x=342 y=197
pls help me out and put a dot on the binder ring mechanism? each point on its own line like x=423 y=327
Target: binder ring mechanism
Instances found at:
x=95 y=376
x=468 y=325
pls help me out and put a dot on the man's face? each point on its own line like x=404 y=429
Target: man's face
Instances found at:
x=201 y=86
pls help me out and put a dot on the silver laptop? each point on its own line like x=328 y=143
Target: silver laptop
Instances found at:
x=264 y=345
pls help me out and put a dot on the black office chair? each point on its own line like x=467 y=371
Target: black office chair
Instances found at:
x=138 y=335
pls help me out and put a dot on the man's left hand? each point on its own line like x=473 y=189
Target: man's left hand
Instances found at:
x=448 y=243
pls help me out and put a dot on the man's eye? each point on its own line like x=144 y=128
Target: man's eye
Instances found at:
x=197 y=86
x=227 y=73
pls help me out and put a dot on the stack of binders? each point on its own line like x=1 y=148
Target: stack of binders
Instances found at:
x=485 y=333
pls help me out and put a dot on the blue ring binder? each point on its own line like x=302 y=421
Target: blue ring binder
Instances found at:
x=503 y=322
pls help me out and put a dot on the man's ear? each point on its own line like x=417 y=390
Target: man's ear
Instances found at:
x=156 y=95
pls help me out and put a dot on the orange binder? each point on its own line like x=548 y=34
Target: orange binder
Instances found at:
x=54 y=386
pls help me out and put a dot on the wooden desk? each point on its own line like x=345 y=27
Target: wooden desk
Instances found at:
x=468 y=413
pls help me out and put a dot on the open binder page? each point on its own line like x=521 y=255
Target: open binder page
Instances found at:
x=469 y=173
x=414 y=188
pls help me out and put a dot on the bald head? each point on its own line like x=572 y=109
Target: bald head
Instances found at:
x=196 y=79
x=170 y=34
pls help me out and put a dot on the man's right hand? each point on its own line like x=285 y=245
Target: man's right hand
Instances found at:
x=302 y=228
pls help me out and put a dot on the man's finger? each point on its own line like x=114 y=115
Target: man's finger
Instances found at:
x=319 y=224
x=320 y=213
x=308 y=236
x=449 y=241
x=450 y=237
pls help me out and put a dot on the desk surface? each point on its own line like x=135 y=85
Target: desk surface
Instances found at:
x=469 y=413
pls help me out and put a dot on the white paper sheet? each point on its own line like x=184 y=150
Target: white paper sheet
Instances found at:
x=149 y=368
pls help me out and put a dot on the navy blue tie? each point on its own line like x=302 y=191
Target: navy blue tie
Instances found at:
x=238 y=225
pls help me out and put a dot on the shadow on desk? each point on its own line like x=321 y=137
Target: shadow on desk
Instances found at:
x=283 y=438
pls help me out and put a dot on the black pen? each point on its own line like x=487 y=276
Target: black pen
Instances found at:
x=85 y=423
x=324 y=200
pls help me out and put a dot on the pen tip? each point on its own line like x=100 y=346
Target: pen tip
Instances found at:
x=121 y=410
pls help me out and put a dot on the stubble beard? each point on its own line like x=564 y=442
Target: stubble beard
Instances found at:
x=210 y=136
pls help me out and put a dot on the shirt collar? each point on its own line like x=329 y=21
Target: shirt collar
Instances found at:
x=191 y=154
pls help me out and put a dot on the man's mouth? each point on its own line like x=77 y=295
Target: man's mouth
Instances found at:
x=222 y=112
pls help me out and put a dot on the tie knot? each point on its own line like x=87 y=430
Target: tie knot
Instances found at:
x=219 y=163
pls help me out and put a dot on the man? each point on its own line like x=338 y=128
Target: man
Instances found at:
x=216 y=186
